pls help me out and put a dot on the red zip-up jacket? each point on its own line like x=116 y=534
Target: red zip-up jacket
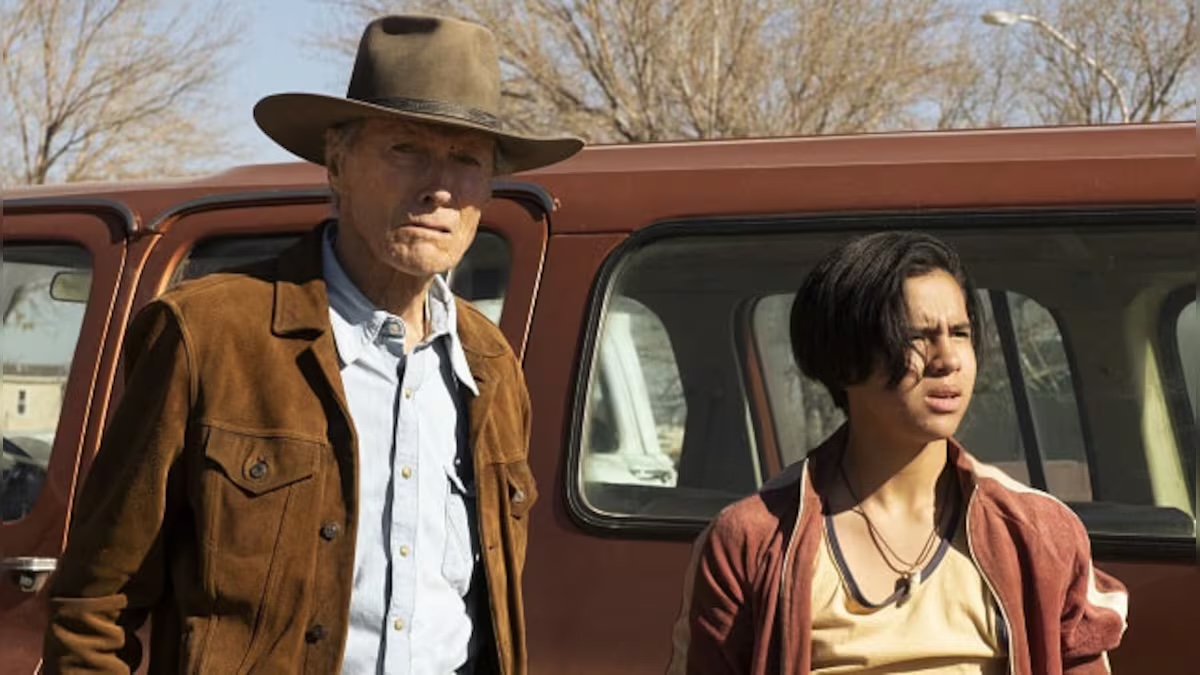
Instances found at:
x=746 y=608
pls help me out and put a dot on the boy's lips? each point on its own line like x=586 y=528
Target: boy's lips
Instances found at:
x=944 y=399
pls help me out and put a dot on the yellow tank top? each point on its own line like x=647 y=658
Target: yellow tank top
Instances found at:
x=948 y=625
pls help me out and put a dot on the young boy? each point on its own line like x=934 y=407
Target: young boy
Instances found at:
x=890 y=549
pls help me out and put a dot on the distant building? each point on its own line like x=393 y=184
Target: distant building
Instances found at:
x=31 y=397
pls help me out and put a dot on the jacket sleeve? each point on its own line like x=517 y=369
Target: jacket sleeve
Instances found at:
x=112 y=572
x=1094 y=613
x=714 y=634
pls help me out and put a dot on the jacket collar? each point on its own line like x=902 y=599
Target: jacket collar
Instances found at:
x=301 y=303
x=302 y=310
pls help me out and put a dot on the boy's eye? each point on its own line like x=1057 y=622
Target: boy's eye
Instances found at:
x=403 y=148
x=468 y=159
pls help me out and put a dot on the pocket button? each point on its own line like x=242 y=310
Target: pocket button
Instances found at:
x=330 y=531
x=257 y=470
x=315 y=634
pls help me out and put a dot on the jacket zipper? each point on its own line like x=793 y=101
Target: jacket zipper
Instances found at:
x=999 y=603
x=787 y=558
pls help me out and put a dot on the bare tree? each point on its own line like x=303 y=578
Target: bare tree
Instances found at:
x=110 y=89
x=645 y=70
x=1079 y=62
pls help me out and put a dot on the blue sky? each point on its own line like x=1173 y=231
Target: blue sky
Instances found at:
x=274 y=58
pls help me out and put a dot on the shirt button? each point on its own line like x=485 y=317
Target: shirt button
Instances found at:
x=403 y=551
x=330 y=531
x=392 y=328
x=399 y=624
x=408 y=393
x=315 y=634
x=406 y=472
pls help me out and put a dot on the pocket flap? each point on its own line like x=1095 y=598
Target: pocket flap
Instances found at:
x=260 y=464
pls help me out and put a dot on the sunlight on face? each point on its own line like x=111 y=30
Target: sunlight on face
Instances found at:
x=410 y=195
x=928 y=404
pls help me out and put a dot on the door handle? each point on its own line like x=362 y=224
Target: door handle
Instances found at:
x=29 y=574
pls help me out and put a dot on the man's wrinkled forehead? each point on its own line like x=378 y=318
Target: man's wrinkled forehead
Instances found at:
x=376 y=130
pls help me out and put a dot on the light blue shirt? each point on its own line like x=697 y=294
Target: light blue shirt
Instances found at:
x=411 y=607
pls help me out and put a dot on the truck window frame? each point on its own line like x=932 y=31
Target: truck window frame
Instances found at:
x=1107 y=546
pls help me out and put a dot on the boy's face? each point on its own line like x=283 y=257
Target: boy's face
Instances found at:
x=928 y=404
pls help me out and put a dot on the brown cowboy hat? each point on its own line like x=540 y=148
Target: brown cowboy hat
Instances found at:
x=421 y=68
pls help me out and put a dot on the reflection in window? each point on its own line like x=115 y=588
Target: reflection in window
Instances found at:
x=636 y=412
x=1050 y=393
x=1187 y=342
x=43 y=292
x=801 y=408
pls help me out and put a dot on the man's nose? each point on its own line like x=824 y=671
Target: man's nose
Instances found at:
x=438 y=181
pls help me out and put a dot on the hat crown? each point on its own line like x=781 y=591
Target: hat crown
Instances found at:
x=436 y=61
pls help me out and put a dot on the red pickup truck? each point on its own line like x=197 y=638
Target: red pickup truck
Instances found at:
x=646 y=288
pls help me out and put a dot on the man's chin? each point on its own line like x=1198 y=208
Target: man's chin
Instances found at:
x=418 y=270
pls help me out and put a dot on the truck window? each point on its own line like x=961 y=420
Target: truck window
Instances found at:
x=1187 y=341
x=481 y=277
x=44 y=290
x=636 y=411
x=1074 y=393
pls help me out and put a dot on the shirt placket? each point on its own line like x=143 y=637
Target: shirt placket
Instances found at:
x=404 y=515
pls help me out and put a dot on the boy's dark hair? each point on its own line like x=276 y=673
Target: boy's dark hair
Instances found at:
x=850 y=312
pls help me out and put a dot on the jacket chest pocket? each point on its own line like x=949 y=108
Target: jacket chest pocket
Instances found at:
x=259 y=498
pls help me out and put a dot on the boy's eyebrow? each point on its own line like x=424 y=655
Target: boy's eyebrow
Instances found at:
x=935 y=326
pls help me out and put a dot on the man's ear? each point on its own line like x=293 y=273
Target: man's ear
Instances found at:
x=333 y=159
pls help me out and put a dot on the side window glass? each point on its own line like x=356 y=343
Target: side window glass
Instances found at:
x=1087 y=358
x=1050 y=392
x=788 y=390
x=481 y=276
x=43 y=294
x=1187 y=346
x=636 y=414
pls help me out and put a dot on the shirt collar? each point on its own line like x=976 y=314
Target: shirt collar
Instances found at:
x=357 y=322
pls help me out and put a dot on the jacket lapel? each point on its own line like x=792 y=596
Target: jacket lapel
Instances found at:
x=484 y=357
x=301 y=312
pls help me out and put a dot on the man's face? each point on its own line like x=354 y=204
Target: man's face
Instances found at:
x=929 y=402
x=409 y=195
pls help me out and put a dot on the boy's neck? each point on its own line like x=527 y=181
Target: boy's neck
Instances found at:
x=893 y=474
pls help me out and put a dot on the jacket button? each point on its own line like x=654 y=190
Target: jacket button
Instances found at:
x=330 y=531
x=258 y=470
x=315 y=634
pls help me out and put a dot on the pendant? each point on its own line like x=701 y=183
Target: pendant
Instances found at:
x=904 y=588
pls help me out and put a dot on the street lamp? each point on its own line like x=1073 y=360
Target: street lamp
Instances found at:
x=1004 y=19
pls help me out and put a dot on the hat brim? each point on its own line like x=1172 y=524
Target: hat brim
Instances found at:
x=297 y=122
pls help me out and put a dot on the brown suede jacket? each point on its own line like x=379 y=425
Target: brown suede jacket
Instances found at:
x=746 y=602
x=223 y=499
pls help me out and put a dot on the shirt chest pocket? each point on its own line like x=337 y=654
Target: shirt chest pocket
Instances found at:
x=258 y=495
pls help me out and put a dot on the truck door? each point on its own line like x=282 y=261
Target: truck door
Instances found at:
x=62 y=261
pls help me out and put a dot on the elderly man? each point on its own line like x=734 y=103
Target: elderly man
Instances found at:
x=319 y=464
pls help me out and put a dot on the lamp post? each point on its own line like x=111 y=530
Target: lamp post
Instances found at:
x=1004 y=19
